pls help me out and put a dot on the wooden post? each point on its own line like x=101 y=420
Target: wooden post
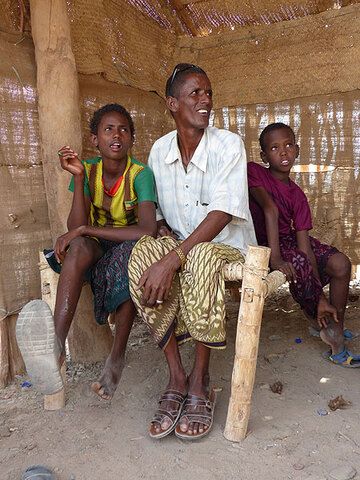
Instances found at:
x=4 y=354
x=59 y=124
x=58 y=102
x=247 y=342
x=49 y=281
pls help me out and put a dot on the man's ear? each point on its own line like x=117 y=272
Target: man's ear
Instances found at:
x=297 y=150
x=263 y=156
x=172 y=104
x=94 y=140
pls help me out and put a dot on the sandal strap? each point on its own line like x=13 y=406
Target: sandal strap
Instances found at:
x=345 y=357
x=205 y=413
x=172 y=396
x=171 y=414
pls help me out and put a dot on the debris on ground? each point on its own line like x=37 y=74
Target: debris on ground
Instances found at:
x=277 y=387
x=338 y=403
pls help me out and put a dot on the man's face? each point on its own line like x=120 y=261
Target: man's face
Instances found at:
x=192 y=107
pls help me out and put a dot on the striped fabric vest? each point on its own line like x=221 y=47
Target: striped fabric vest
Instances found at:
x=119 y=210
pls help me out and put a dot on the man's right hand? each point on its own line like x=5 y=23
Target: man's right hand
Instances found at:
x=70 y=162
x=285 y=267
x=156 y=281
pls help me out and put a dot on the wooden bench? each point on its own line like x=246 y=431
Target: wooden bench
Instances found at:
x=256 y=284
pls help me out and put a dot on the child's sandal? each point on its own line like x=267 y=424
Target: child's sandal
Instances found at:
x=344 y=359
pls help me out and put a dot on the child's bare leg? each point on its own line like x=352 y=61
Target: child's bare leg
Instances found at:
x=339 y=269
x=82 y=254
x=114 y=364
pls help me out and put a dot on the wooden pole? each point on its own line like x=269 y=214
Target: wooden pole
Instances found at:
x=4 y=354
x=60 y=124
x=58 y=102
x=247 y=342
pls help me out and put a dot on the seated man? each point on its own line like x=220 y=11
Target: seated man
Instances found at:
x=176 y=281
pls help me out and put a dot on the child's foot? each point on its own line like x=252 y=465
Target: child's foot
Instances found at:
x=334 y=338
x=109 y=379
x=39 y=346
x=348 y=334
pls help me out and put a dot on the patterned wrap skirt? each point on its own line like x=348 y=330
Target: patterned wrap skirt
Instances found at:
x=195 y=307
x=109 y=278
x=307 y=289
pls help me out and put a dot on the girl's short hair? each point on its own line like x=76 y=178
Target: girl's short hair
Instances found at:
x=110 y=107
x=270 y=128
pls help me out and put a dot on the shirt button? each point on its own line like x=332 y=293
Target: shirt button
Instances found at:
x=186 y=186
x=186 y=204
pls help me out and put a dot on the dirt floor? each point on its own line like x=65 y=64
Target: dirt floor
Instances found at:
x=290 y=434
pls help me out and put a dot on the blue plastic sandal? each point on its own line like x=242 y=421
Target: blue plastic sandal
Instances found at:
x=38 y=472
x=344 y=359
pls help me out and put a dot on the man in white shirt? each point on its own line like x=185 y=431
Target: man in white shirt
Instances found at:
x=204 y=219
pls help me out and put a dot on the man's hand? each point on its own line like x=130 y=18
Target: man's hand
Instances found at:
x=70 y=162
x=324 y=311
x=156 y=281
x=285 y=267
x=164 y=231
x=63 y=242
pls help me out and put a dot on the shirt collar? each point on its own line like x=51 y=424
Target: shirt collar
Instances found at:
x=199 y=158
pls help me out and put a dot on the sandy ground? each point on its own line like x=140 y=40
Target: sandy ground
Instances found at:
x=93 y=439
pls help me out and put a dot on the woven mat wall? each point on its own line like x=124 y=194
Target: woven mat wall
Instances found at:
x=24 y=224
x=327 y=128
x=308 y=60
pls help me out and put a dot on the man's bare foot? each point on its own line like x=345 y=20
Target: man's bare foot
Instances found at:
x=109 y=378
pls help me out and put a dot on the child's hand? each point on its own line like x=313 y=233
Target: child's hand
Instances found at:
x=63 y=242
x=165 y=232
x=70 y=162
x=285 y=267
x=324 y=311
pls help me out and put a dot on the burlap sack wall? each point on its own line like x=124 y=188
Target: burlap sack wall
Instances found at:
x=24 y=223
x=327 y=128
x=314 y=55
x=255 y=67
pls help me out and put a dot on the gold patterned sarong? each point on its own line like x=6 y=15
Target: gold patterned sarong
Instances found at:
x=195 y=307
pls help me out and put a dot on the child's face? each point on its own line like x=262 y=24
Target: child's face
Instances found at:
x=113 y=136
x=280 y=151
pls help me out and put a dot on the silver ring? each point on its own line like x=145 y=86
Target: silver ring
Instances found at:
x=60 y=154
x=159 y=302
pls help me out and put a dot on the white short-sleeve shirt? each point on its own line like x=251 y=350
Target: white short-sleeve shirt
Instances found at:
x=215 y=179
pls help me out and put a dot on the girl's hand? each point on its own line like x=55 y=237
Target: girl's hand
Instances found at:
x=70 y=162
x=285 y=267
x=63 y=242
x=324 y=311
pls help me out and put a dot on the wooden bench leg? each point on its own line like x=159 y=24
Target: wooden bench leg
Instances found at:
x=247 y=342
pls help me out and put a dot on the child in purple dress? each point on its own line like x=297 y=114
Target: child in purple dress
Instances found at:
x=282 y=219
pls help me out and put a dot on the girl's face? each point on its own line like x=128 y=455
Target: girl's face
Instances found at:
x=113 y=136
x=280 y=152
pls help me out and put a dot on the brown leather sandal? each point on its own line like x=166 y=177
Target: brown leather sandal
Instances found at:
x=197 y=410
x=173 y=415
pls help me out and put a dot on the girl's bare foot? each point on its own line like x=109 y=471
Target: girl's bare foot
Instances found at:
x=109 y=378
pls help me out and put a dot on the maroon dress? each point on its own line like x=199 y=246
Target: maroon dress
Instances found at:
x=294 y=216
